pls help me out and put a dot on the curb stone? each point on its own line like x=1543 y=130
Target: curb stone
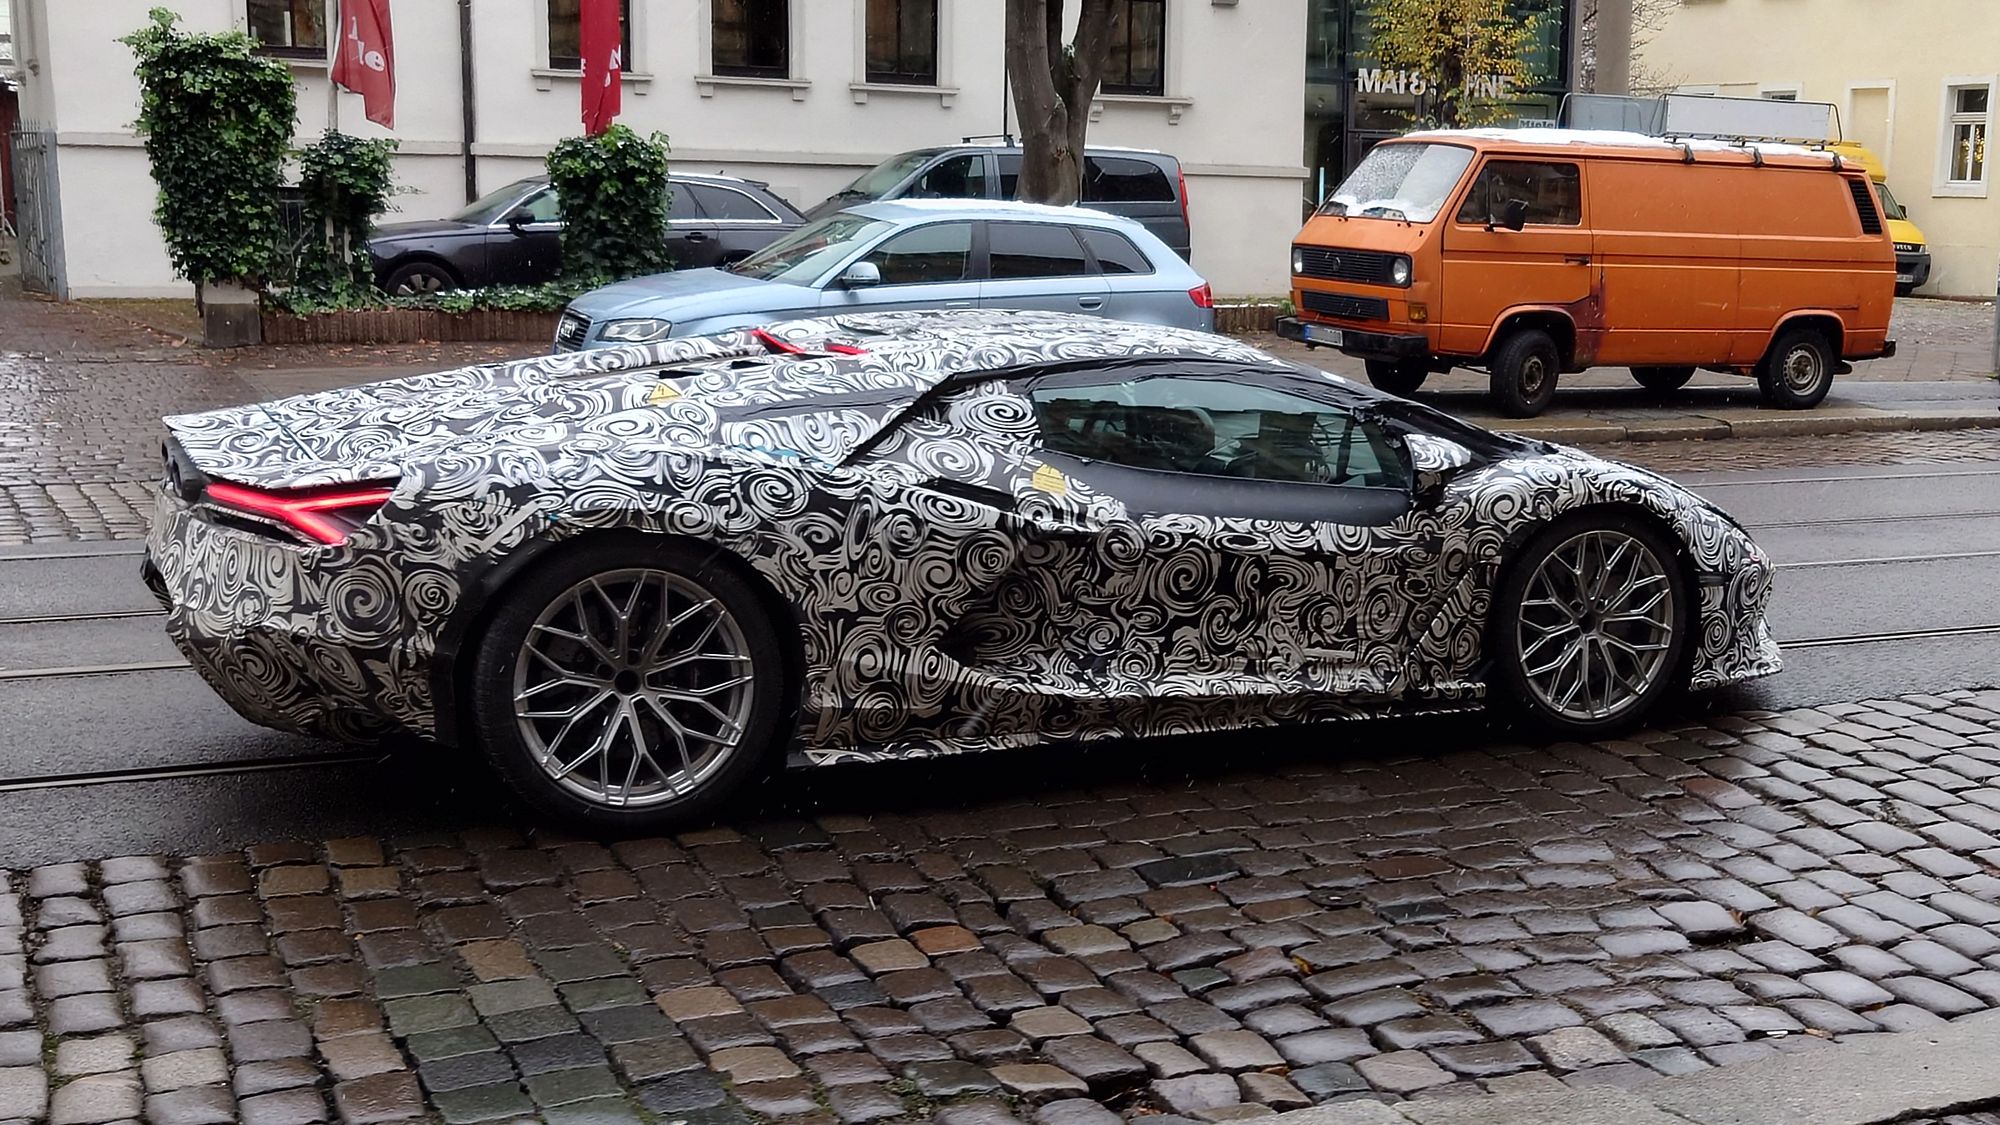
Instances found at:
x=1864 y=1080
x=1599 y=431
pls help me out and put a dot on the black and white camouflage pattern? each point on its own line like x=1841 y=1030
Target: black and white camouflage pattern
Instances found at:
x=929 y=622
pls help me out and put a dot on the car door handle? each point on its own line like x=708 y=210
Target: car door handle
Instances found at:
x=696 y=236
x=1577 y=259
x=959 y=304
x=1090 y=302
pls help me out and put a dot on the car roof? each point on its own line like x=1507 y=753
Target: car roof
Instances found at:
x=703 y=177
x=904 y=210
x=1616 y=143
x=1088 y=150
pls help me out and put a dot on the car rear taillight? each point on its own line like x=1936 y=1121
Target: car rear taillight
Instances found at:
x=1202 y=296
x=322 y=515
x=1180 y=177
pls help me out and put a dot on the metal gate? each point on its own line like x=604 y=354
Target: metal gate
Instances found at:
x=37 y=211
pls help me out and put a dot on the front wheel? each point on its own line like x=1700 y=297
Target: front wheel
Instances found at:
x=1904 y=289
x=629 y=685
x=1661 y=380
x=419 y=279
x=1590 y=625
x=1798 y=372
x=1398 y=377
x=1524 y=373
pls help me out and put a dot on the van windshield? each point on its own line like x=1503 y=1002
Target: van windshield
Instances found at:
x=1890 y=208
x=1400 y=181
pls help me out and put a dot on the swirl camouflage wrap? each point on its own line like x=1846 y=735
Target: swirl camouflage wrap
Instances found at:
x=956 y=579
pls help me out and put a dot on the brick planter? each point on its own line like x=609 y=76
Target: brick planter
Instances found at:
x=1244 y=319
x=407 y=326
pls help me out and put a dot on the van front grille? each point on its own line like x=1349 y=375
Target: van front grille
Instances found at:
x=1864 y=205
x=1345 y=307
x=1335 y=264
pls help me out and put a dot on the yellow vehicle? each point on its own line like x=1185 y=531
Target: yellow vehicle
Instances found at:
x=1913 y=254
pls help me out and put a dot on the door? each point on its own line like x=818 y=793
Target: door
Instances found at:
x=1140 y=189
x=524 y=245
x=1132 y=286
x=926 y=267
x=1039 y=266
x=962 y=175
x=691 y=240
x=741 y=223
x=1665 y=235
x=1489 y=269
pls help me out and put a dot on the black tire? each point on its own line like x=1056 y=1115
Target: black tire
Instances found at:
x=1398 y=377
x=494 y=717
x=418 y=278
x=1512 y=691
x=1524 y=371
x=1798 y=370
x=1663 y=380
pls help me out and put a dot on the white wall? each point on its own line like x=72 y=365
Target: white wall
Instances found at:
x=1233 y=114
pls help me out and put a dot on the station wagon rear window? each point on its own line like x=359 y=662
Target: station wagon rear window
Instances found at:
x=1402 y=182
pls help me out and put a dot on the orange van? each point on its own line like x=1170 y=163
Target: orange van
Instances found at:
x=1539 y=251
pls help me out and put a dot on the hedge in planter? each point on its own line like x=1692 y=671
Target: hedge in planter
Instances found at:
x=614 y=194
x=217 y=122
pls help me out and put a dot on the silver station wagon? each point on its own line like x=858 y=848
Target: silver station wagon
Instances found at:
x=910 y=254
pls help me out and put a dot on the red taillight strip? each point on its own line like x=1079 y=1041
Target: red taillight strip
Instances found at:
x=785 y=347
x=302 y=513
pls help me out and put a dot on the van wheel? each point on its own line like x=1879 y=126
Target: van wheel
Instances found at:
x=1524 y=373
x=1663 y=379
x=1798 y=371
x=1905 y=289
x=1398 y=377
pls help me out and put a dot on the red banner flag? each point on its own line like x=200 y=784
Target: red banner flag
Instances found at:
x=366 y=61
x=599 y=40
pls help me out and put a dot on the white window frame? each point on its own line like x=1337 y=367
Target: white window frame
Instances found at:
x=1942 y=185
x=633 y=77
x=1889 y=126
x=945 y=90
x=706 y=81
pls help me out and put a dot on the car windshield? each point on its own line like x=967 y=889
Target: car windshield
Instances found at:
x=876 y=181
x=1401 y=181
x=802 y=256
x=488 y=207
x=1891 y=209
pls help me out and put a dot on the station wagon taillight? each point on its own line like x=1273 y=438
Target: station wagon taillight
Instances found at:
x=323 y=515
x=1202 y=296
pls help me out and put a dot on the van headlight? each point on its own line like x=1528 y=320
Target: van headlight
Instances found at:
x=1399 y=270
x=644 y=330
x=1298 y=260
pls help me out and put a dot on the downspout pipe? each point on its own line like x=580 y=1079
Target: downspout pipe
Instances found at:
x=468 y=123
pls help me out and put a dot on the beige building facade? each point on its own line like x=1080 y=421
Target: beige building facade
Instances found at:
x=1917 y=81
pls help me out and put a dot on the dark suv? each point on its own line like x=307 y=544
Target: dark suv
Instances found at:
x=514 y=236
x=1146 y=186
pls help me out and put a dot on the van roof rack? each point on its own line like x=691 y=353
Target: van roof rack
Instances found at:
x=1742 y=121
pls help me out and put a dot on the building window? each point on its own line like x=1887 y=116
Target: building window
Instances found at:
x=753 y=38
x=289 y=27
x=1138 y=48
x=902 y=42
x=1965 y=134
x=565 y=34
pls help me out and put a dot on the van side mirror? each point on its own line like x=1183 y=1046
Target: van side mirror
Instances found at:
x=861 y=275
x=1433 y=462
x=1514 y=214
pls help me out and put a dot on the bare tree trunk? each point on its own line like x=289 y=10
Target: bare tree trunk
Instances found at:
x=1053 y=88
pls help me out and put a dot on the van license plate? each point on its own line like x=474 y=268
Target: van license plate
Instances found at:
x=1332 y=337
x=1905 y=278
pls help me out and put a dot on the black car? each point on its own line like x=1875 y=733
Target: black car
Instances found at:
x=514 y=236
x=1135 y=183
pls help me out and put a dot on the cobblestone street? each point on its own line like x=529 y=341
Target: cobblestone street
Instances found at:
x=1299 y=929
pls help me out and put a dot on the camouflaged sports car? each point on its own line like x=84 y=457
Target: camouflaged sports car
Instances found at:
x=635 y=577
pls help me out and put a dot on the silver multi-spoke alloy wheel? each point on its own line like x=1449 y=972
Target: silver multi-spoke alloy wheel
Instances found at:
x=1597 y=625
x=634 y=687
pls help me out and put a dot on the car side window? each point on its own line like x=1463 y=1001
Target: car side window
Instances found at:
x=729 y=205
x=937 y=252
x=955 y=177
x=545 y=206
x=1018 y=250
x=683 y=206
x=1125 y=179
x=1010 y=173
x=1552 y=192
x=1114 y=252
x=1218 y=427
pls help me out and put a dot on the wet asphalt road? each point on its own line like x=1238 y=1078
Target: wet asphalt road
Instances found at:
x=1862 y=552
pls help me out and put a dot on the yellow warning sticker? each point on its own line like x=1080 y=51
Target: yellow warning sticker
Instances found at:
x=665 y=392
x=1050 y=479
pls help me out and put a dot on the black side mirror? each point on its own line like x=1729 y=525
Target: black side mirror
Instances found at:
x=1514 y=214
x=517 y=219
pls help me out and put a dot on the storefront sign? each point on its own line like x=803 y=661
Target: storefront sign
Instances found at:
x=1381 y=80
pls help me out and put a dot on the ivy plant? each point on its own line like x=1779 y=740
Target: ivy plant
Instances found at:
x=346 y=183
x=217 y=122
x=614 y=195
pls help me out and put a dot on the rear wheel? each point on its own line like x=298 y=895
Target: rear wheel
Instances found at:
x=1524 y=371
x=630 y=686
x=1590 y=626
x=1398 y=377
x=1661 y=380
x=1798 y=371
